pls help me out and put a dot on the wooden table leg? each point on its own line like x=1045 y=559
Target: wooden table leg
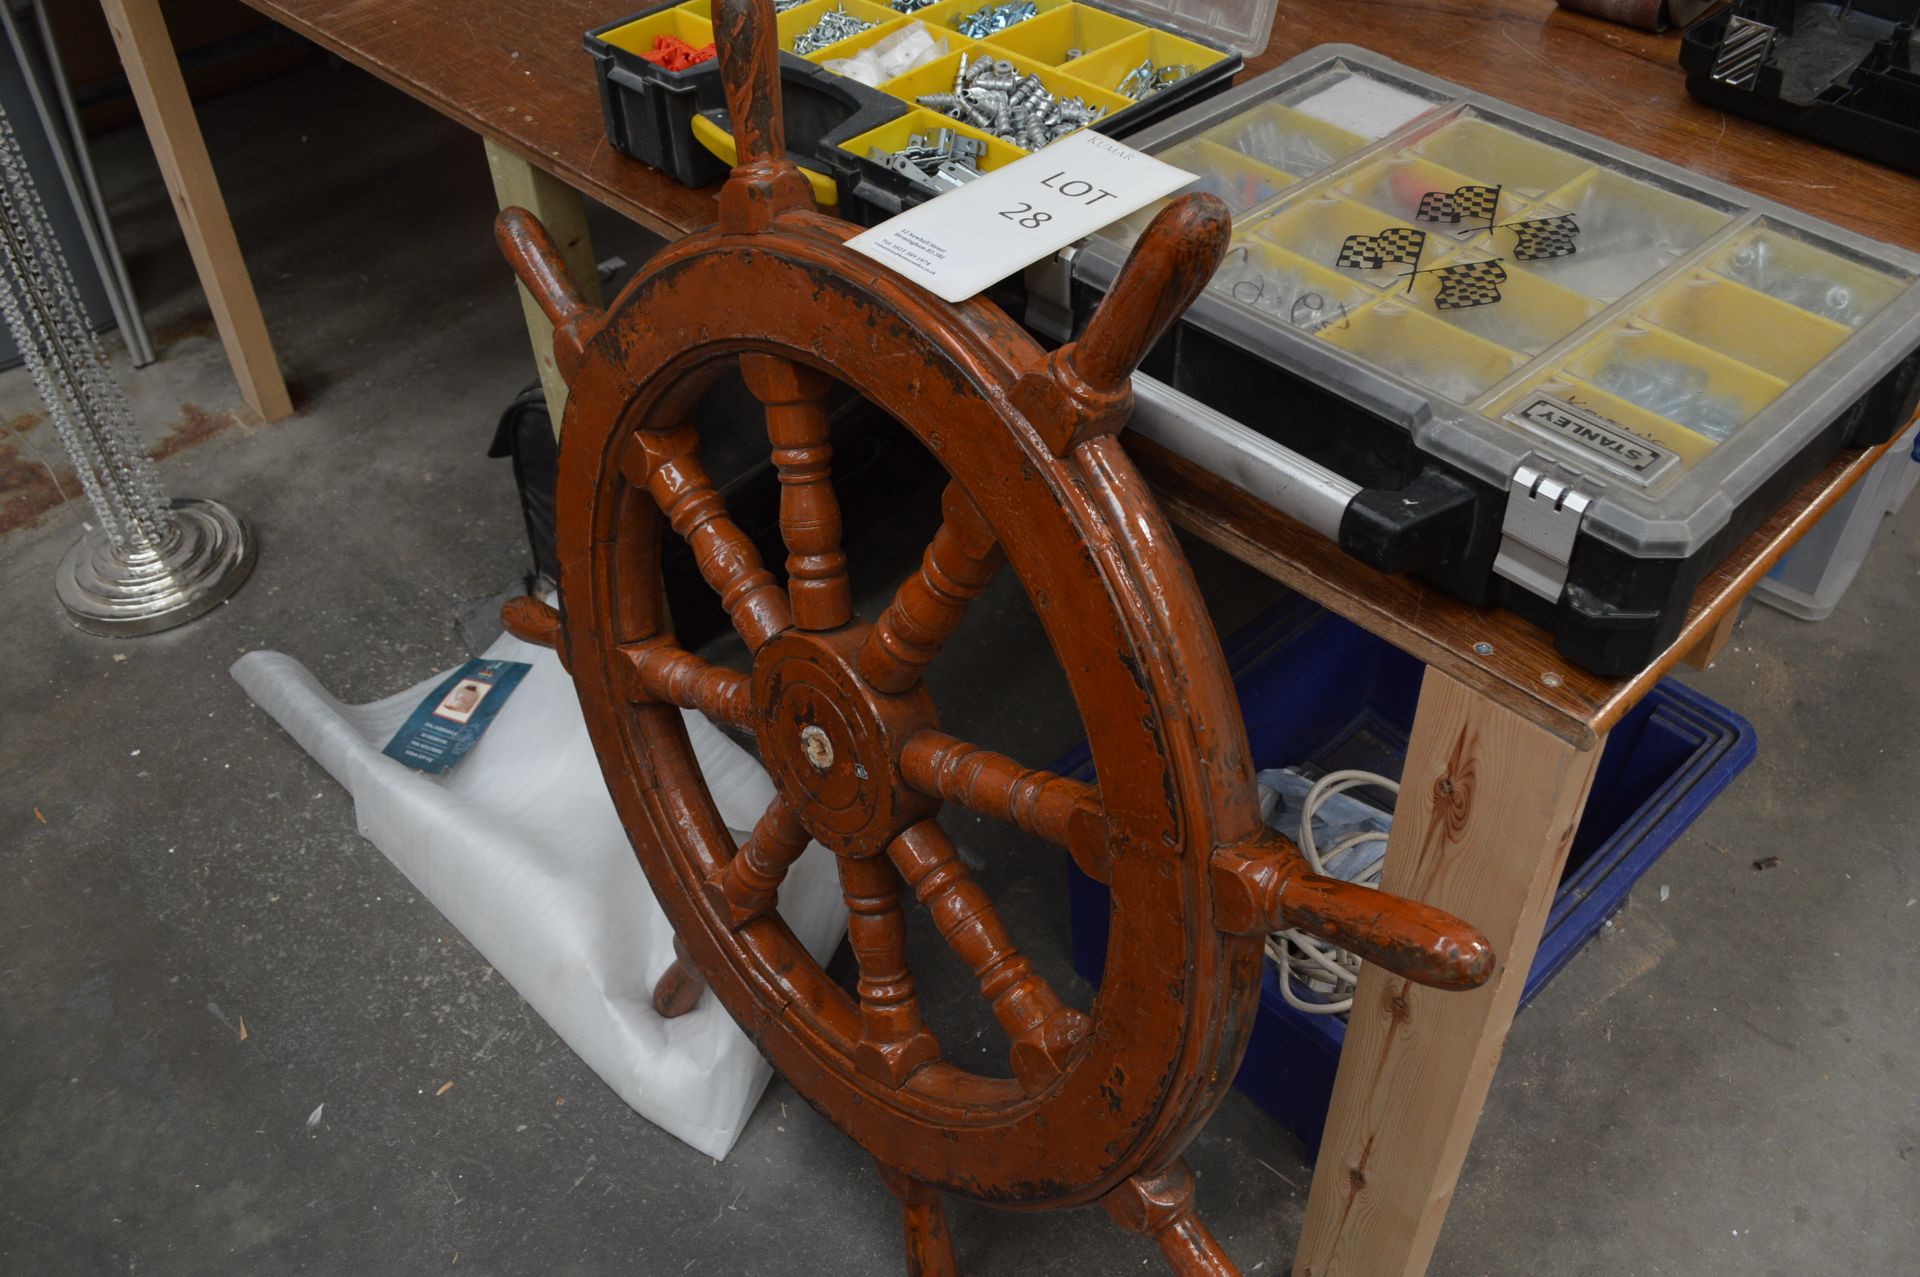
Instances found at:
x=562 y=211
x=1703 y=653
x=1487 y=811
x=153 y=71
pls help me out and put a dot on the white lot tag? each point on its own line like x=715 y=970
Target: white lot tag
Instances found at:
x=996 y=225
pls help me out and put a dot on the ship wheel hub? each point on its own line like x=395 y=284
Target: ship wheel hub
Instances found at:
x=832 y=743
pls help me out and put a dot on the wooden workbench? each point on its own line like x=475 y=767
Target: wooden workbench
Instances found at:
x=1507 y=735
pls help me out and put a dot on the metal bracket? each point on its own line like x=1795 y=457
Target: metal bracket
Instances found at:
x=1537 y=534
x=1049 y=284
x=1743 y=51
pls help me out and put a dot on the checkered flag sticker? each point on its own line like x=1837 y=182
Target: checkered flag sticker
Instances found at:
x=1465 y=203
x=1468 y=284
x=1543 y=237
x=1401 y=244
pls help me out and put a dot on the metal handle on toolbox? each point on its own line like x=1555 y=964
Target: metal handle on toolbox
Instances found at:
x=1290 y=483
x=715 y=138
x=1428 y=524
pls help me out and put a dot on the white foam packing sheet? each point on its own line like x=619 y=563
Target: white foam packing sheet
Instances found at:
x=519 y=846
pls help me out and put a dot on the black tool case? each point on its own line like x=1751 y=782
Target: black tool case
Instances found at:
x=1539 y=369
x=650 y=111
x=1844 y=74
x=833 y=123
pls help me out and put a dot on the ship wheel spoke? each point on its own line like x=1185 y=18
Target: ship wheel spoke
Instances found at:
x=894 y=1041
x=1064 y=812
x=926 y=610
x=793 y=397
x=658 y=670
x=1042 y=1027
x=747 y=887
x=682 y=488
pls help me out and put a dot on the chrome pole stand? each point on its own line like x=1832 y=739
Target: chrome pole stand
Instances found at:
x=145 y=563
x=141 y=588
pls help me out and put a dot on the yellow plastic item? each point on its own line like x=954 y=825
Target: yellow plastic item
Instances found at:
x=1494 y=156
x=956 y=43
x=802 y=18
x=1256 y=274
x=1531 y=314
x=1781 y=266
x=1396 y=185
x=1599 y=194
x=720 y=142
x=937 y=77
x=1051 y=36
x=1316 y=227
x=1269 y=128
x=1641 y=350
x=1414 y=345
x=638 y=36
x=946 y=12
x=893 y=135
x=1110 y=65
x=1749 y=326
x=1676 y=438
x=1241 y=184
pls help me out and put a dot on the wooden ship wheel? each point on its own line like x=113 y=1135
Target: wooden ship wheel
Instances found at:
x=1099 y=1106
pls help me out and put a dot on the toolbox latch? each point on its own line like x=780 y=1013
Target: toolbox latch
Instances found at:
x=1537 y=534
x=1049 y=284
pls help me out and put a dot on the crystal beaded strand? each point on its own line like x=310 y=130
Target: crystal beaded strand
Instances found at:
x=148 y=563
x=84 y=402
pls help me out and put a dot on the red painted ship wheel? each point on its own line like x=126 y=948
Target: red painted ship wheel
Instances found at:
x=1099 y=1107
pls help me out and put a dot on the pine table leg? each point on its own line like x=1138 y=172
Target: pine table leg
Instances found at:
x=153 y=72
x=1488 y=807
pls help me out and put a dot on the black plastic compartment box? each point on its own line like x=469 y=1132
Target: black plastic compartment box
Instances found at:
x=676 y=120
x=1542 y=370
x=651 y=112
x=1844 y=74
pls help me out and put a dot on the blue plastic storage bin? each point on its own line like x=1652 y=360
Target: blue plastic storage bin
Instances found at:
x=1320 y=690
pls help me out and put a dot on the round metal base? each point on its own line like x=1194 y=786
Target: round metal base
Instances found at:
x=146 y=589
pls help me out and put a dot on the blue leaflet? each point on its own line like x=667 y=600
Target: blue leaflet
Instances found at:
x=455 y=714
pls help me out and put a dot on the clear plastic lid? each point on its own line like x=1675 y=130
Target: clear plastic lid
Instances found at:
x=1244 y=25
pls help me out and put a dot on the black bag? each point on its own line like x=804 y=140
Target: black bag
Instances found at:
x=525 y=433
x=876 y=467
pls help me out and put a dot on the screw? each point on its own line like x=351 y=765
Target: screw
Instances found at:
x=835 y=25
x=1483 y=649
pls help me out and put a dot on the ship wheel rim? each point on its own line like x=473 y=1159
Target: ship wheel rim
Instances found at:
x=965 y=1132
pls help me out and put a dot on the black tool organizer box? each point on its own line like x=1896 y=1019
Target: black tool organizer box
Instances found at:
x=650 y=110
x=1844 y=74
x=1513 y=453
x=833 y=122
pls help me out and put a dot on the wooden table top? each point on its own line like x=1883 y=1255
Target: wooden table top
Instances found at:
x=514 y=71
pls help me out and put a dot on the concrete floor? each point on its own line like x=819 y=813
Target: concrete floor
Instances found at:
x=1728 y=1082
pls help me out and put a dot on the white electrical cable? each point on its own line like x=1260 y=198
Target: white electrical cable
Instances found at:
x=1326 y=972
